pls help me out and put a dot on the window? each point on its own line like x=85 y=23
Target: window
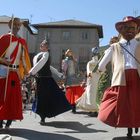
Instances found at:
x=47 y=35
x=66 y=35
x=84 y=36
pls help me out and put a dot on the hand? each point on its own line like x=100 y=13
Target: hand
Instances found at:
x=5 y=62
x=62 y=77
x=27 y=75
x=98 y=71
x=89 y=75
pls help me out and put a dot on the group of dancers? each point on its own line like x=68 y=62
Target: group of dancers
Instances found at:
x=119 y=103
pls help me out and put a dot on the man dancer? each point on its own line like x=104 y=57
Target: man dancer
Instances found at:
x=14 y=58
x=120 y=106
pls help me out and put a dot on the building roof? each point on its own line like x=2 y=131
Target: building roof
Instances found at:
x=5 y=19
x=70 y=24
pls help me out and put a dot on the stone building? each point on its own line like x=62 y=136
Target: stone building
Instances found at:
x=79 y=36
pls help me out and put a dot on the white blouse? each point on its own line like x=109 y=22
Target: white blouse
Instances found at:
x=38 y=65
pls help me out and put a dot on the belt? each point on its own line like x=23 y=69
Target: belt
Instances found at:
x=14 y=66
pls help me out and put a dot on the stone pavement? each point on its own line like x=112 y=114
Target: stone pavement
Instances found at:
x=66 y=126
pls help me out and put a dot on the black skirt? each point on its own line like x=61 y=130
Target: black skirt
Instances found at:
x=50 y=99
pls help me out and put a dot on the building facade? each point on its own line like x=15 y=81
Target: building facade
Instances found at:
x=79 y=36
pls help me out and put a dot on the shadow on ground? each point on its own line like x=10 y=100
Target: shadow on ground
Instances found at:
x=87 y=114
x=125 y=138
x=36 y=135
x=76 y=127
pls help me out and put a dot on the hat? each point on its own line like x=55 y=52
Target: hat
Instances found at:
x=127 y=19
x=95 y=51
x=67 y=51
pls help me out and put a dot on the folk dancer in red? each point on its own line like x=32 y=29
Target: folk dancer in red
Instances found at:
x=120 y=106
x=14 y=64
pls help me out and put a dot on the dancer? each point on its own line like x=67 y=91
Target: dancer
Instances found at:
x=14 y=59
x=51 y=100
x=120 y=103
x=69 y=70
x=87 y=101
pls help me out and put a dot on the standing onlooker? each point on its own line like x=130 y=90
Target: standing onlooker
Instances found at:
x=87 y=101
x=14 y=58
x=51 y=100
x=120 y=106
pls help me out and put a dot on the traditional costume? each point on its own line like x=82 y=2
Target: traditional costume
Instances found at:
x=120 y=106
x=10 y=90
x=87 y=101
x=51 y=100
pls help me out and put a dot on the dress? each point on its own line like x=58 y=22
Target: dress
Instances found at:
x=51 y=100
x=10 y=89
x=120 y=103
x=87 y=101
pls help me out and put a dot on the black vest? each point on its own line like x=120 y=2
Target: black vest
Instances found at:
x=45 y=70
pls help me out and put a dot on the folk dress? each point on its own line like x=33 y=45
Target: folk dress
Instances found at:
x=87 y=101
x=10 y=88
x=51 y=100
x=120 y=106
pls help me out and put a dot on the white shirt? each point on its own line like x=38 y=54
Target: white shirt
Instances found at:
x=38 y=65
x=130 y=62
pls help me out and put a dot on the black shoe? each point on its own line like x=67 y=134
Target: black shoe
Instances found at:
x=1 y=127
x=136 y=130
x=42 y=123
x=1 y=124
x=129 y=134
x=73 y=109
x=7 y=127
x=8 y=123
x=93 y=114
x=129 y=137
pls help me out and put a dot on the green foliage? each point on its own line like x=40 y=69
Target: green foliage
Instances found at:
x=104 y=83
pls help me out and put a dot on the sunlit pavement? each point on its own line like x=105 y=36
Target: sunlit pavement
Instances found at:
x=67 y=126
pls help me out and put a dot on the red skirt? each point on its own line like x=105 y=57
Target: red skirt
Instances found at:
x=120 y=105
x=11 y=103
x=73 y=93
